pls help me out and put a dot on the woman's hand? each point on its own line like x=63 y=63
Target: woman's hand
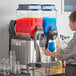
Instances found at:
x=49 y=53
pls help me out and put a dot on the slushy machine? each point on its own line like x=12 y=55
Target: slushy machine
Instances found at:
x=32 y=32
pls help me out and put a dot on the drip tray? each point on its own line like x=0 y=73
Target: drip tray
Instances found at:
x=40 y=64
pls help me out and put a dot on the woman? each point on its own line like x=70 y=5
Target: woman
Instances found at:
x=69 y=53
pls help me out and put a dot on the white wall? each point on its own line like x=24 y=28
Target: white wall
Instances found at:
x=63 y=21
x=8 y=12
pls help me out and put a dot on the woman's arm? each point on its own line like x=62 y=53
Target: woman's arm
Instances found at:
x=68 y=52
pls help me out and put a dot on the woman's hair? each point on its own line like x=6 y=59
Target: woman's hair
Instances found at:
x=72 y=16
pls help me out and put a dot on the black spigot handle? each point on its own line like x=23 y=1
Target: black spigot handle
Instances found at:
x=48 y=38
x=46 y=44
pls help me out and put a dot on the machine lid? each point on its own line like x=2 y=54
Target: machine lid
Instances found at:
x=22 y=7
x=33 y=7
x=48 y=7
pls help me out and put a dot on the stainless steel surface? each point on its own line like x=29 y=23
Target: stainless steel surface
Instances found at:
x=24 y=50
x=38 y=55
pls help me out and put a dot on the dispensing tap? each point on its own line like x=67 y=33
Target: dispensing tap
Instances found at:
x=37 y=33
x=51 y=36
